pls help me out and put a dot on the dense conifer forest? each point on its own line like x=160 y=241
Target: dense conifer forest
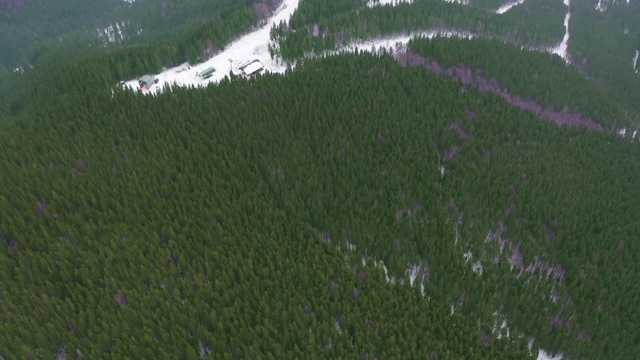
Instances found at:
x=359 y=206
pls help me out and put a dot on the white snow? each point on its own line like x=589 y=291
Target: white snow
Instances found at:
x=635 y=61
x=252 y=46
x=374 y=3
x=467 y=256
x=622 y=132
x=602 y=6
x=389 y=278
x=543 y=355
x=130 y=1
x=477 y=267
x=506 y=7
x=461 y=2
x=561 y=49
x=112 y=33
x=396 y=42
x=413 y=271
x=119 y=31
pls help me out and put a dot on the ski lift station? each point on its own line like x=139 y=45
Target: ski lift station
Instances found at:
x=206 y=73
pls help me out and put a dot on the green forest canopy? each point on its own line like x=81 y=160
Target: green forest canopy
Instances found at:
x=252 y=218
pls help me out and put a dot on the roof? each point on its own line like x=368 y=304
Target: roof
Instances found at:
x=147 y=79
x=207 y=71
x=253 y=67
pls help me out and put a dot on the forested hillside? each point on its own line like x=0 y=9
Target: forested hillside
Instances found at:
x=248 y=218
x=33 y=32
x=447 y=199
x=533 y=75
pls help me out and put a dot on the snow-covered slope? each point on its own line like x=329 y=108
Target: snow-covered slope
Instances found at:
x=635 y=61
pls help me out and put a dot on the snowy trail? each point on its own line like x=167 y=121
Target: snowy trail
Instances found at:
x=254 y=45
x=561 y=49
x=635 y=61
x=506 y=7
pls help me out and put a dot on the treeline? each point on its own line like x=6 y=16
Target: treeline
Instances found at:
x=541 y=23
x=532 y=74
x=246 y=220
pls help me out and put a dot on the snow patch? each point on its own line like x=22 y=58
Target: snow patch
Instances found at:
x=351 y=247
x=112 y=34
x=506 y=7
x=396 y=42
x=413 y=272
x=561 y=49
x=467 y=256
x=477 y=267
x=601 y=6
x=389 y=278
x=374 y=3
x=502 y=330
x=543 y=355
x=635 y=61
x=461 y=2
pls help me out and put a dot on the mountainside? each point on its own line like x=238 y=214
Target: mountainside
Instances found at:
x=406 y=179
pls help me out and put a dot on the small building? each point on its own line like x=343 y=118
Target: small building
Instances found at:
x=206 y=73
x=252 y=67
x=146 y=82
